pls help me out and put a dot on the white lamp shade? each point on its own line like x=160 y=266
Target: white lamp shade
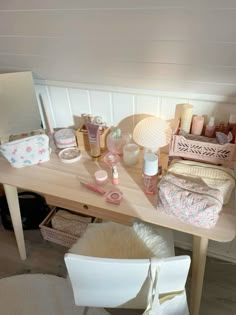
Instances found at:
x=152 y=133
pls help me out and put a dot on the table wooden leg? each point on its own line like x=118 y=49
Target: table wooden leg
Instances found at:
x=14 y=208
x=200 y=245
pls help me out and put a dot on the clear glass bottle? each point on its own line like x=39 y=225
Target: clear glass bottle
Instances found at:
x=150 y=173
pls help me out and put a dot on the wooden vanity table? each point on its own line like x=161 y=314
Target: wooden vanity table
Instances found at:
x=60 y=184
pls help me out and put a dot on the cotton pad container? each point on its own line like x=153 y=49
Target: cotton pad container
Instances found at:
x=65 y=138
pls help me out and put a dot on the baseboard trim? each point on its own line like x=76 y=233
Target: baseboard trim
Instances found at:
x=211 y=253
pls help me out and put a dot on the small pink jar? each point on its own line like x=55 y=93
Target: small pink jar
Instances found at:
x=101 y=177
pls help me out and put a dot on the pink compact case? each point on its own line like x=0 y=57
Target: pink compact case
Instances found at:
x=114 y=196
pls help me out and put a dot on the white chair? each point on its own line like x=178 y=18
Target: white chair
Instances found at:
x=154 y=284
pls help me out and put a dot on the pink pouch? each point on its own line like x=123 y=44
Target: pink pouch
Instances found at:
x=190 y=201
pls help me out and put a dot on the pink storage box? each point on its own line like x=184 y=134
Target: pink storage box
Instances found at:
x=27 y=151
x=223 y=154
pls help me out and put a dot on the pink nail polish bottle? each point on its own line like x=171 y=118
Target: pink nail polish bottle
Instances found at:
x=115 y=175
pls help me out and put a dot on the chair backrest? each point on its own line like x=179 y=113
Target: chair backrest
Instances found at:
x=105 y=282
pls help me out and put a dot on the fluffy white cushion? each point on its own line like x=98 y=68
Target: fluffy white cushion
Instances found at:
x=158 y=239
x=113 y=240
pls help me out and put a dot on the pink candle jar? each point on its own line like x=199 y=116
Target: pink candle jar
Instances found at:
x=197 y=125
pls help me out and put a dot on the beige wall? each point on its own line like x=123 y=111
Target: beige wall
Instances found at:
x=175 y=45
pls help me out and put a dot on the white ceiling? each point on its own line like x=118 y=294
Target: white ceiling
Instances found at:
x=178 y=45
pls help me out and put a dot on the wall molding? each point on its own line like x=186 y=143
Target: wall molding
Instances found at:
x=118 y=89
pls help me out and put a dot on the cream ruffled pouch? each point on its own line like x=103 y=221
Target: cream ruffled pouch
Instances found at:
x=214 y=176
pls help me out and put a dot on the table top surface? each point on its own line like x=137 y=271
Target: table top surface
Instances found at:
x=62 y=180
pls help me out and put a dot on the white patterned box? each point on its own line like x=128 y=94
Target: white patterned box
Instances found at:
x=27 y=151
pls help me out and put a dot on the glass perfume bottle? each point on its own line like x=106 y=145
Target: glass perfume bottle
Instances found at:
x=210 y=127
x=150 y=173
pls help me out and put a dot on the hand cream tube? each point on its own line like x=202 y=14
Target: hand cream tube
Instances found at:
x=94 y=139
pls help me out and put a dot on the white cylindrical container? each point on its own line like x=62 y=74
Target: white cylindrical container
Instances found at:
x=150 y=166
x=186 y=117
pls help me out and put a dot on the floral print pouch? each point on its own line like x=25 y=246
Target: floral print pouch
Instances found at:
x=192 y=202
x=27 y=151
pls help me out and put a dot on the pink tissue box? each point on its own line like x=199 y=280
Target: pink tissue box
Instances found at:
x=27 y=151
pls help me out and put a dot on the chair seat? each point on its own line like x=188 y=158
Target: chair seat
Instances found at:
x=113 y=240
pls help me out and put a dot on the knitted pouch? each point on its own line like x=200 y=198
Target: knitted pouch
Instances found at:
x=192 y=202
x=214 y=176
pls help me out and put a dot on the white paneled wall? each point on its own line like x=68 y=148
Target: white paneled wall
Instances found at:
x=65 y=101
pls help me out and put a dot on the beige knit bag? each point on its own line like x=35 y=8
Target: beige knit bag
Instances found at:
x=214 y=176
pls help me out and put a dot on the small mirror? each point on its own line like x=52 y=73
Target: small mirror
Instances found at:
x=19 y=110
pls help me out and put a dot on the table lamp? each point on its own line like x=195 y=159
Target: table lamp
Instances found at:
x=151 y=133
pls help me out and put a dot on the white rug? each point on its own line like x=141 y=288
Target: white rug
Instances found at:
x=38 y=294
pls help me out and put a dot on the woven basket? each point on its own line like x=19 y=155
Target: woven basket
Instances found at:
x=203 y=151
x=56 y=236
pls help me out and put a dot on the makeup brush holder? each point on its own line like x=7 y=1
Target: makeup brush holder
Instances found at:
x=83 y=140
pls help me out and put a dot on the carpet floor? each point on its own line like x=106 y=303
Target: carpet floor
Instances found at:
x=40 y=294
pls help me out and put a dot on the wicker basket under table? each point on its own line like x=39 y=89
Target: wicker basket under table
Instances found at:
x=56 y=236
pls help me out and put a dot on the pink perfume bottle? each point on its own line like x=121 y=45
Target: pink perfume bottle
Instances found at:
x=150 y=170
x=210 y=128
x=115 y=175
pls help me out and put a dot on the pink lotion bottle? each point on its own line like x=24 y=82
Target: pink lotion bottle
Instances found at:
x=210 y=128
x=150 y=170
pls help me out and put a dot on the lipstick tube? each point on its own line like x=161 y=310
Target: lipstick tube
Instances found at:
x=93 y=188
